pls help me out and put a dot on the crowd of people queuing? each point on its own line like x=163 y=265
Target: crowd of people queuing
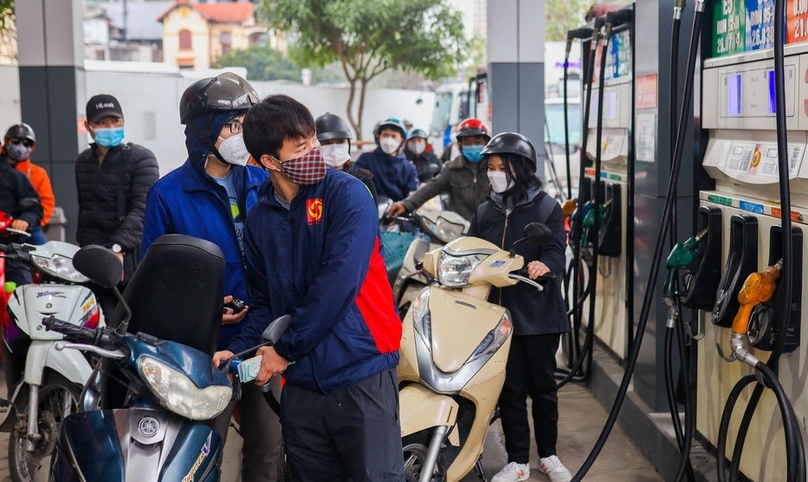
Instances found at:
x=298 y=224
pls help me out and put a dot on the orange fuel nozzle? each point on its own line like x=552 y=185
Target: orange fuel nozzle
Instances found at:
x=758 y=288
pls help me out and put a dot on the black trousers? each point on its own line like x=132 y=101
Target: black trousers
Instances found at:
x=530 y=371
x=349 y=435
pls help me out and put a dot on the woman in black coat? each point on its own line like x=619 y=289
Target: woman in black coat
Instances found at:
x=538 y=318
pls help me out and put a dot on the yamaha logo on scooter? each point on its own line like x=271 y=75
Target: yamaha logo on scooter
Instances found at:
x=148 y=426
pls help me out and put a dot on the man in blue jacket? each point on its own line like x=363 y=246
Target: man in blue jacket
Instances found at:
x=394 y=175
x=208 y=197
x=313 y=252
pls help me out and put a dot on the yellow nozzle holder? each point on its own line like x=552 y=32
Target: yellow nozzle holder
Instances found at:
x=568 y=207
x=758 y=288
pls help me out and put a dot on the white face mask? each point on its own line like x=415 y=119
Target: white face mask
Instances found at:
x=417 y=148
x=233 y=150
x=499 y=181
x=335 y=155
x=389 y=145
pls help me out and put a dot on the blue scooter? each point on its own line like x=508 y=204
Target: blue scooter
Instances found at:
x=160 y=433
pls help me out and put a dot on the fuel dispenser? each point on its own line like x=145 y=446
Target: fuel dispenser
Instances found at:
x=609 y=148
x=738 y=111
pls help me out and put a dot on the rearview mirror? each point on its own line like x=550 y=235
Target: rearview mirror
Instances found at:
x=278 y=327
x=537 y=233
x=99 y=264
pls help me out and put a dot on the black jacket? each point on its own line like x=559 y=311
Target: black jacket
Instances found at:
x=427 y=164
x=18 y=198
x=97 y=187
x=466 y=183
x=532 y=312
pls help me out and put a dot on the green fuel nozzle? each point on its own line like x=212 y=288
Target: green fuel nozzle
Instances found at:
x=682 y=255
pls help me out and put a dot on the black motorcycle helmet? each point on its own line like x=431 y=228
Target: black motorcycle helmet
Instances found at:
x=225 y=92
x=330 y=126
x=22 y=131
x=512 y=143
x=418 y=133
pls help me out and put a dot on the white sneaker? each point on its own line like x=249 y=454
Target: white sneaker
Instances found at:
x=554 y=469
x=513 y=472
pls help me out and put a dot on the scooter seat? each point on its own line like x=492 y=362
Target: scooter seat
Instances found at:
x=176 y=292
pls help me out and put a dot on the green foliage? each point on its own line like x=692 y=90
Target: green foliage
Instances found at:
x=6 y=14
x=564 y=15
x=262 y=63
x=368 y=37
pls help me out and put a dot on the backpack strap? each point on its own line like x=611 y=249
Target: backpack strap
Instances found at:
x=126 y=149
x=481 y=210
x=546 y=207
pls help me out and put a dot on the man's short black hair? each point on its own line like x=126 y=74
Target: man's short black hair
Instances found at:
x=272 y=121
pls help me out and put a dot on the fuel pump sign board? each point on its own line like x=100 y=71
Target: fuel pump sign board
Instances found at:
x=729 y=27
x=796 y=21
x=759 y=24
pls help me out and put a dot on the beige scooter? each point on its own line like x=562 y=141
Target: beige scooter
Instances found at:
x=454 y=349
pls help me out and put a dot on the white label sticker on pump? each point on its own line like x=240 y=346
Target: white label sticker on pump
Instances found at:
x=722 y=161
x=646 y=148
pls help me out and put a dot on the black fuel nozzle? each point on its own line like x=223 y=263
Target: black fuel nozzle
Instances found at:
x=577 y=33
x=620 y=17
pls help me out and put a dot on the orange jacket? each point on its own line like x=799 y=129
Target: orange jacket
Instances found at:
x=41 y=182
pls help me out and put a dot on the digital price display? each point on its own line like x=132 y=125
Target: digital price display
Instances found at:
x=734 y=94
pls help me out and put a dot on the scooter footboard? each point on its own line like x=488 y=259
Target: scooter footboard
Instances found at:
x=136 y=444
x=422 y=408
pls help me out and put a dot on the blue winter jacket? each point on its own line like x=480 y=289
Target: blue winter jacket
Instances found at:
x=321 y=262
x=395 y=176
x=188 y=201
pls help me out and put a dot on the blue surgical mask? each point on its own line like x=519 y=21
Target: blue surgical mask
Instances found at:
x=109 y=137
x=473 y=153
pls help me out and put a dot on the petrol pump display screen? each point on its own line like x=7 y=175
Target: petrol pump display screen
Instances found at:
x=772 y=103
x=734 y=94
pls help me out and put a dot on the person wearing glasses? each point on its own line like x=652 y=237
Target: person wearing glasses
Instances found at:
x=19 y=144
x=208 y=197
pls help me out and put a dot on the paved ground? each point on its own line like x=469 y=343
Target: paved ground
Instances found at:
x=581 y=420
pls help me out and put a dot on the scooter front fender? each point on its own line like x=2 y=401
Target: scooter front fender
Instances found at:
x=71 y=364
x=135 y=444
x=422 y=408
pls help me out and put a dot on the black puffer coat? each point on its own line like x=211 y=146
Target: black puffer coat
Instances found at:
x=97 y=186
x=532 y=312
x=18 y=198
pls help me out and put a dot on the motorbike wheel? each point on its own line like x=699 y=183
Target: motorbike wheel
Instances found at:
x=415 y=448
x=58 y=398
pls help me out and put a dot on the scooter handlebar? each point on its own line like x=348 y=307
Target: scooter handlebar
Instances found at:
x=76 y=333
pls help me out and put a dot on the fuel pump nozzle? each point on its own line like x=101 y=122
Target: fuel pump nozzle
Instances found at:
x=589 y=220
x=577 y=33
x=758 y=288
x=620 y=17
x=682 y=255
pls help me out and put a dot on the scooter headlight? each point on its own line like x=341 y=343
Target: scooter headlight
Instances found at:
x=60 y=267
x=176 y=392
x=454 y=271
x=494 y=339
x=421 y=317
x=447 y=231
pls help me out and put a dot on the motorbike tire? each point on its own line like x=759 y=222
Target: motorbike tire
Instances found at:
x=54 y=395
x=414 y=449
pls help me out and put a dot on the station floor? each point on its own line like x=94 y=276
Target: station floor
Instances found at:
x=581 y=419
